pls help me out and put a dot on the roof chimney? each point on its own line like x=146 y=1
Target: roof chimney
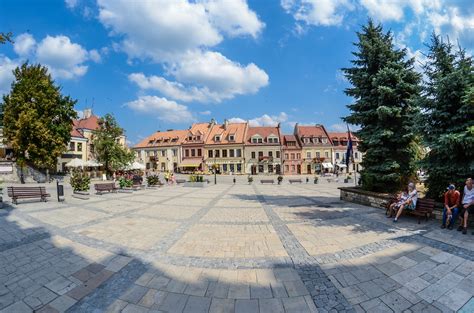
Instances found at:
x=226 y=123
x=87 y=113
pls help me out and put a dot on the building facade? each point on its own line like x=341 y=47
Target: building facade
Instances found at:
x=224 y=148
x=263 y=150
x=316 y=149
x=192 y=147
x=291 y=154
x=339 y=141
x=161 y=151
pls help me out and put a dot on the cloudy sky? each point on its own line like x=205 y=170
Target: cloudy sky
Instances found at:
x=167 y=63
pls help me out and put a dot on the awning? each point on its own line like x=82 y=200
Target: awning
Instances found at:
x=341 y=165
x=190 y=163
x=327 y=165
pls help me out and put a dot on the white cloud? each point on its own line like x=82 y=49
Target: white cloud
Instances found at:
x=184 y=32
x=317 y=12
x=24 y=44
x=6 y=75
x=264 y=120
x=71 y=4
x=233 y=17
x=452 y=22
x=342 y=127
x=64 y=58
x=94 y=55
x=164 y=109
x=205 y=112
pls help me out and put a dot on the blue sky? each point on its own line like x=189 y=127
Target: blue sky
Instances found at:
x=165 y=64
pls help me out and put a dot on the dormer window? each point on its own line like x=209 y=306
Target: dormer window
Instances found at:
x=150 y=142
x=217 y=138
x=324 y=140
x=254 y=140
x=260 y=140
x=198 y=137
x=231 y=137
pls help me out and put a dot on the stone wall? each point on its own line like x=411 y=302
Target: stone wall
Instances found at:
x=374 y=199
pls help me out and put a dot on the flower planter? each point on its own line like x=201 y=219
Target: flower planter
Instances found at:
x=195 y=184
x=83 y=195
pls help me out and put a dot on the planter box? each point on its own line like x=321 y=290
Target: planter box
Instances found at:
x=125 y=190
x=83 y=195
x=195 y=184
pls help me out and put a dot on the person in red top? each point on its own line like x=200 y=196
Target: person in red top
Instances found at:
x=452 y=199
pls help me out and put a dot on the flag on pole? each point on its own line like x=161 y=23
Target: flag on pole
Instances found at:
x=349 y=147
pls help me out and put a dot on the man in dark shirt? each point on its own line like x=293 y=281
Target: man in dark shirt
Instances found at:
x=452 y=199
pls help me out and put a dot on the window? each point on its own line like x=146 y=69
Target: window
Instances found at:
x=260 y=168
x=326 y=154
x=324 y=140
x=287 y=168
x=260 y=140
x=337 y=155
x=79 y=146
x=198 y=138
x=318 y=155
x=224 y=153
x=209 y=153
x=232 y=167
x=175 y=152
x=308 y=155
x=224 y=168
x=186 y=153
x=231 y=138
x=163 y=166
x=217 y=153
x=298 y=156
x=231 y=153
x=217 y=138
x=238 y=153
x=277 y=154
x=292 y=156
x=199 y=152
x=260 y=154
x=286 y=156
x=193 y=152
x=253 y=154
x=72 y=146
x=254 y=140
x=163 y=153
x=270 y=154
x=239 y=168
x=293 y=168
x=270 y=168
x=356 y=155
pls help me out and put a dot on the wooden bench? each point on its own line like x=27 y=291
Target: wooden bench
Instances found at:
x=27 y=193
x=295 y=181
x=424 y=208
x=267 y=181
x=100 y=188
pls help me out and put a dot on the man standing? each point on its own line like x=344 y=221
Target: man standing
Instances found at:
x=467 y=205
x=452 y=198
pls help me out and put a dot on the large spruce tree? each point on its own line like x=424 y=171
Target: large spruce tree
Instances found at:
x=37 y=118
x=385 y=87
x=448 y=119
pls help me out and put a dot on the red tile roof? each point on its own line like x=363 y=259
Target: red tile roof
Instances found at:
x=163 y=139
x=286 y=138
x=76 y=133
x=237 y=129
x=91 y=123
x=264 y=132
x=342 y=135
x=312 y=131
x=198 y=129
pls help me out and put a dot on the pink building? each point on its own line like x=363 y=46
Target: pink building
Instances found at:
x=291 y=150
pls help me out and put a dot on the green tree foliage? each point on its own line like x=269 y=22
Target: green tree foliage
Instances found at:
x=385 y=87
x=448 y=119
x=37 y=118
x=107 y=147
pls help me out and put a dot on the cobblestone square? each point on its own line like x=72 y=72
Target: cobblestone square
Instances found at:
x=228 y=248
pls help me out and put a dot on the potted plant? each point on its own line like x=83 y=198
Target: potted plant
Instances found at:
x=125 y=183
x=280 y=179
x=316 y=179
x=80 y=183
x=348 y=179
x=250 y=179
x=153 y=180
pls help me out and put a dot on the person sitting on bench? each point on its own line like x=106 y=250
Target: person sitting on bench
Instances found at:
x=409 y=203
x=452 y=198
x=467 y=205
x=401 y=198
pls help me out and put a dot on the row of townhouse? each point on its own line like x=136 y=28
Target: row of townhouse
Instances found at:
x=242 y=149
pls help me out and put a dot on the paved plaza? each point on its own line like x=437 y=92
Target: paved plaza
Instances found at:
x=228 y=248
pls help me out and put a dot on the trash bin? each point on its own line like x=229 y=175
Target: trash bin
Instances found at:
x=60 y=191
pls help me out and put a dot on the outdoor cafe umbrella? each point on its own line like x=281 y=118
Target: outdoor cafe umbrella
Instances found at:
x=93 y=163
x=75 y=163
x=135 y=166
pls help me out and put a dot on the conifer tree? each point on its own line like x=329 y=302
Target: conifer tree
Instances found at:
x=385 y=87
x=448 y=119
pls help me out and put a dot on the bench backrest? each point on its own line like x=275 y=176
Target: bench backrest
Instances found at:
x=12 y=190
x=425 y=204
x=104 y=186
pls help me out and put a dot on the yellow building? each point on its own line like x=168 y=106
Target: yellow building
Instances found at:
x=317 y=149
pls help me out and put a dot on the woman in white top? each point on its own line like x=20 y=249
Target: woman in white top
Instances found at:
x=467 y=206
x=409 y=203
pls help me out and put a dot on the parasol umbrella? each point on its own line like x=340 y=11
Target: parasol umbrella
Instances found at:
x=75 y=163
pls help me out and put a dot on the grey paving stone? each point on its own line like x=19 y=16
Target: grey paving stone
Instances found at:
x=295 y=305
x=417 y=284
x=246 y=306
x=134 y=294
x=424 y=307
x=174 y=302
x=133 y=308
x=197 y=289
x=261 y=292
x=395 y=301
x=279 y=290
x=240 y=291
x=389 y=268
x=116 y=307
x=17 y=307
x=62 y=303
x=371 y=289
x=175 y=286
x=409 y=295
x=222 y=305
x=295 y=288
x=6 y=300
x=455 y=298
x=158 y=282
x=60 y=285
x=271 y=306
x=197 y=305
